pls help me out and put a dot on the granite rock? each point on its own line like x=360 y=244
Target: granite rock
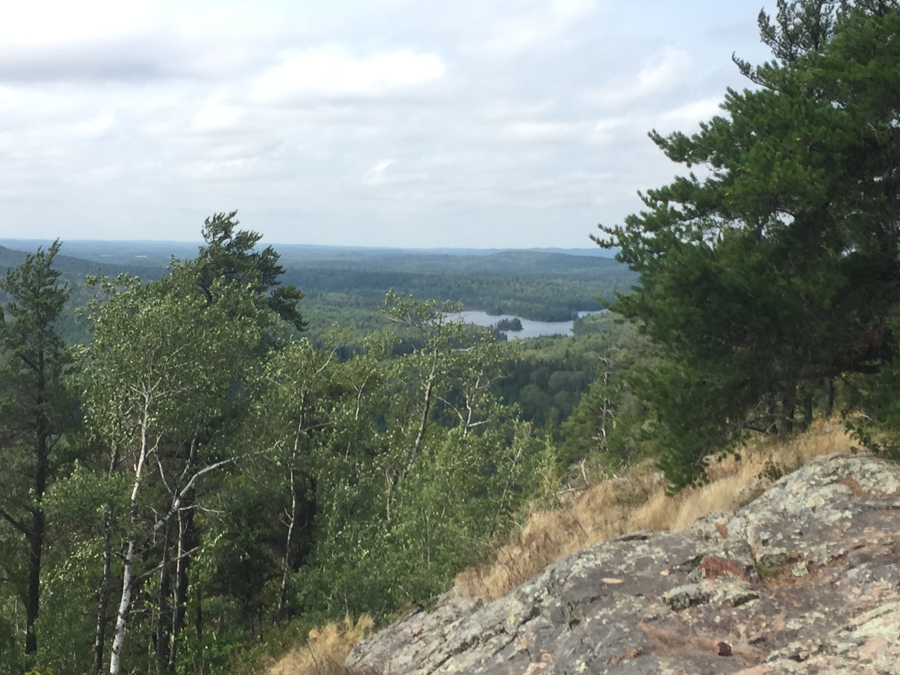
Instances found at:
x=803 y=579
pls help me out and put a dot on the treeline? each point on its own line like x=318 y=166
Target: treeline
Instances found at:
x=535 y=285
x=540 y=299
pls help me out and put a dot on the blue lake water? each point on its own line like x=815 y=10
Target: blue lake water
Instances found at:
x=530 y=328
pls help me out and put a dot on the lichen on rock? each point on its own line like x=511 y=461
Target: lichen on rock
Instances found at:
x=827 y=537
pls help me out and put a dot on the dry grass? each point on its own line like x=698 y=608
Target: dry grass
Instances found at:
x=637 y=501
x=325 y=650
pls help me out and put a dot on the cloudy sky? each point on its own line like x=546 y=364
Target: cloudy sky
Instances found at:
x=416 y=123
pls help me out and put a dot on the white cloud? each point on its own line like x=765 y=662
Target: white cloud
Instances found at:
x=376 y=175
x=9 y=98
x=691 y=114
x=90 y=129
x=216 y=117
x=546 y=131
x=662 y=72
x=521 y=122
x=328 y=73
x=534 y=25
x=605 y=131
x=55 y=22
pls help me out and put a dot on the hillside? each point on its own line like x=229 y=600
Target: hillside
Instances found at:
x=802 y=579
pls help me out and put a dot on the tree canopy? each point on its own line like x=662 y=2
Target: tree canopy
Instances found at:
x=230 y=255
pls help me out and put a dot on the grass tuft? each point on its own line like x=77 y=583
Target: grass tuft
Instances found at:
x=325 y=650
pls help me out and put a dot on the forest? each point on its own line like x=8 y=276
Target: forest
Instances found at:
x=189 y=463
x=197 y=457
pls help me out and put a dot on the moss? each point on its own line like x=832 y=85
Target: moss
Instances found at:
x=768 y=572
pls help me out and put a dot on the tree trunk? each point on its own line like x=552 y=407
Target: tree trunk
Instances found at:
x=162 y=610
x=102 y=604
x=773 y=418
x=115 y=659
x=38 y=522
x=32 y=606
x=828 y=396
x=286 y=563
x=179 y=603
x=807 y=410
x=788 y=404
x=129 y=580
x=426 y=408
x=103 y=599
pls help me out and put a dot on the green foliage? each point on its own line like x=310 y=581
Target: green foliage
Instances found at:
x=780 y=268
x=36 y=409
x=514 y=324
x=395 y=471
x=161 y=356
x=229 y=257
x=877 y=424
x=162 y=387
x=549 y=375
x=235 y=479
x=347 y=286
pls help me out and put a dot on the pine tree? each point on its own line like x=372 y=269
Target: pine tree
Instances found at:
x=230 y=255
x=35 y=407
x=780 y=268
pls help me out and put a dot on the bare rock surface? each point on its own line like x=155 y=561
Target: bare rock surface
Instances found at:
x=803 y=579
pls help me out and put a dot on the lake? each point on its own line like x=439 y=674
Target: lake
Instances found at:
x=530 y=328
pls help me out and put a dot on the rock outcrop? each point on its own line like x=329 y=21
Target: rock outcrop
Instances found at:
x=804 y=579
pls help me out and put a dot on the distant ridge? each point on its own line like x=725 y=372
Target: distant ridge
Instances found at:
x=185 y=249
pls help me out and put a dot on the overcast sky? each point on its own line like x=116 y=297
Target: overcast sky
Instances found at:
x=473 y=123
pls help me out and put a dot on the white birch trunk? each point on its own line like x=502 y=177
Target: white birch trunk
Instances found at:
x=115 y=659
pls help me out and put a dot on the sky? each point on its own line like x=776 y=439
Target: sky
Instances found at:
x=418 y=124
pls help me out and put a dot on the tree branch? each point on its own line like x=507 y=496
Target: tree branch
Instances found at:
x=153 y=570
x=15 y=523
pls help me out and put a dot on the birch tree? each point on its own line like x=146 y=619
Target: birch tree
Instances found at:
x=163 y=365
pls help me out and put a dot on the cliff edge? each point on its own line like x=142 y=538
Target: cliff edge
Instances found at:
x=803 y=579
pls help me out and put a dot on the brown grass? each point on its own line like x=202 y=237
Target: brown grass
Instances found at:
x=325 y=650
x=637 y=501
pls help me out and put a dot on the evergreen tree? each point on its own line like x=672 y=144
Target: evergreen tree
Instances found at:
x=35 y=409
x=230 y=255
x=780 y=268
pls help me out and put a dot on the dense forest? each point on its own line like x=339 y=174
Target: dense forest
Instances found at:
x=189 y=464
x=349 y=285
x=195 y=456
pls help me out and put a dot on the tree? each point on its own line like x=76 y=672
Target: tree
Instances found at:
x=229 y=255
x=779 y=269
x=35 y=407
x=392 y=472
x=162 y=368
x=294 y=416
x=799 y=28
